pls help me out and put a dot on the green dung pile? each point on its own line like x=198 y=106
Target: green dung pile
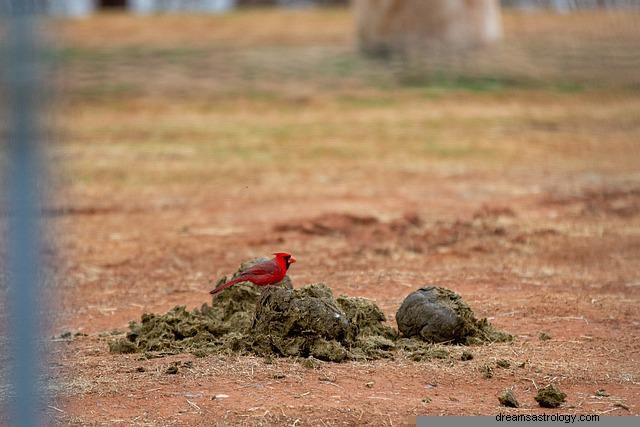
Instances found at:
x=217 y=328
x=277 y=321
x=273 y=321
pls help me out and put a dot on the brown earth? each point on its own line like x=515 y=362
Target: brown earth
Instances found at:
x=524 y=201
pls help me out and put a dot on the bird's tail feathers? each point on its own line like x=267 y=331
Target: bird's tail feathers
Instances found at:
x=227 y=285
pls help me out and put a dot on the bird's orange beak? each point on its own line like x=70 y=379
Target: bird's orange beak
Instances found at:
x=292 y=260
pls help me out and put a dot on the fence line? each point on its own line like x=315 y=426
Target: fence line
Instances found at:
x=22 y=240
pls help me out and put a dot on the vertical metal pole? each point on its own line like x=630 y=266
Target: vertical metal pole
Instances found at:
x=23 y=217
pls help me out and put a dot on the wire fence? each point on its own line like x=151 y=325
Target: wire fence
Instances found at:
x=21 y=261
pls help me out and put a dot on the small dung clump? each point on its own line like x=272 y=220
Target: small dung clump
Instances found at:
x=543 y=336
x=487 y=371
x=439 y=315
x=550 y=397
x=508 y=398
x=311 y=363
x=503 y=363
x=123 y=346
x=419 y=351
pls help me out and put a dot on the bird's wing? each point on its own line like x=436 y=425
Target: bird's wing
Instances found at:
x=262 y=269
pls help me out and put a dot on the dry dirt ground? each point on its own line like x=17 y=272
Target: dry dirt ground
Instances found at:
x=182 y=156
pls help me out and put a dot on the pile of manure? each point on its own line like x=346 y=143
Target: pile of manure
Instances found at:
x=280 y=321
x=438 y=315
x=270 y=321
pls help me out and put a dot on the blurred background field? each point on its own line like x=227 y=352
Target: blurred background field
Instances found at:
x=287 y=92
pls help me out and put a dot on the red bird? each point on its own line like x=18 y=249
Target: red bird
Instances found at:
x=263 y=273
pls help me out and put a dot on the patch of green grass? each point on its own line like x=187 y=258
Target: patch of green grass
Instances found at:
x=343 y=65
x=455 y=151
x=106 y=90
x=435 y=84
x=568 y=87
x=419 y=77
x=132 y=54
x=367 y=101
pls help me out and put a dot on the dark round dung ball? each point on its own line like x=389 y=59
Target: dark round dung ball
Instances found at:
x=435 y=315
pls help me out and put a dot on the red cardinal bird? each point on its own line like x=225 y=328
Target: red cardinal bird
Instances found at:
x=263 y=273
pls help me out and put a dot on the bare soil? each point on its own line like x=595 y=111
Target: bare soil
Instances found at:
x=525 y=201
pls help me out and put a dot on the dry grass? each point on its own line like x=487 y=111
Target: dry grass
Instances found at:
x=184 y=143
x=239 y=29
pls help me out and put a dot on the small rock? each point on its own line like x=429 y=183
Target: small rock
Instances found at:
x=508 y=399
x=426 y=399
x=550 y=397
x=140 y=369
x=220 y=397
x=369 y=384
x=171 y=370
